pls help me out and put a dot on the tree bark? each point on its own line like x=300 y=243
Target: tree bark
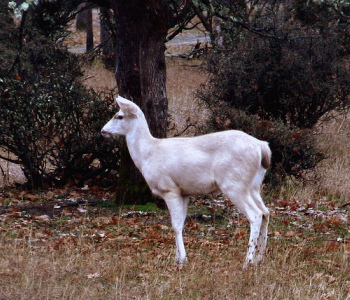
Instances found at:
x=141 y=77
x=84 y=22
x=105 y=37
x=81 y=18
x=153 y=70
x=89 y=31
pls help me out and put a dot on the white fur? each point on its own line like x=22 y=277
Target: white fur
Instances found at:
x=175 y=168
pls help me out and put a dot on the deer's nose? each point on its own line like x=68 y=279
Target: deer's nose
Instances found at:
x=105 y=133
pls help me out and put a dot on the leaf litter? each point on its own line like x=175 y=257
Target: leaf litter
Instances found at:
x=78 y=222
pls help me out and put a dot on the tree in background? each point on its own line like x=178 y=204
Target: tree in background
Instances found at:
x=84 y=23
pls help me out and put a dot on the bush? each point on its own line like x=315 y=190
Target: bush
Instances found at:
x=295 y=81
x=48 y=120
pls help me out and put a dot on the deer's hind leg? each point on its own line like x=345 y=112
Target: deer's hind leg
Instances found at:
x=256 y=195
x=241 y=197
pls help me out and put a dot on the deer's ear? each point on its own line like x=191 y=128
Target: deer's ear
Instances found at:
x=128 y=107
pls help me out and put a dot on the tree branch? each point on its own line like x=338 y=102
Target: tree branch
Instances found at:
x=180 y=28
x=206 y=21
x=256 y=30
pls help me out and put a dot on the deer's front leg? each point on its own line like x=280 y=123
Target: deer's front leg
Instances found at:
x=178 y=209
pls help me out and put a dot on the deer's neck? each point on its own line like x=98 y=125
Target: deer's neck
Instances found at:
x=140 y=143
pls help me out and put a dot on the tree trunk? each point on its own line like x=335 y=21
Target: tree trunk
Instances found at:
x=105 y=37
x=153 y=71
x=81 y=21
x=141 y=77
x=89 y=31
x=84 y=22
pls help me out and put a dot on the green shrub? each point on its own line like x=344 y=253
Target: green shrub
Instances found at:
x=52 y=124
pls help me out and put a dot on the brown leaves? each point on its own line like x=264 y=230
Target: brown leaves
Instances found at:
x=103 y=249
x=334 y=221
x=240 y=233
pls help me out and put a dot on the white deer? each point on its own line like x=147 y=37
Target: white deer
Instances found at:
x=232 y=162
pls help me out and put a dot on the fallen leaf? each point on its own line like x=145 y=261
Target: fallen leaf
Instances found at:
x=45 y=218
x=239 y=233
x=289 y=234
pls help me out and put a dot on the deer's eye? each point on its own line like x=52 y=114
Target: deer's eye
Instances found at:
x=119 y=117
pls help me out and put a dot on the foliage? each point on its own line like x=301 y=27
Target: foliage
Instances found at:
x=296 y=82
x=296 y=75
x=324 y=15
x=48 y=120
x=52 y=16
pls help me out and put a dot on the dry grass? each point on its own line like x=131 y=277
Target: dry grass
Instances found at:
x=82 y=252
x=335 y=140
x=96 y=76
x=95 y=253
x=183 y=79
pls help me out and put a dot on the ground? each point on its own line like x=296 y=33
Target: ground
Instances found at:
x=73 y=243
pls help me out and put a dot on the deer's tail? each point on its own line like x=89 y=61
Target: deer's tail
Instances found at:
x=265 y=155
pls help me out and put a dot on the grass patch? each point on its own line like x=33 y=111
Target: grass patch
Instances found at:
x=143 y=208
